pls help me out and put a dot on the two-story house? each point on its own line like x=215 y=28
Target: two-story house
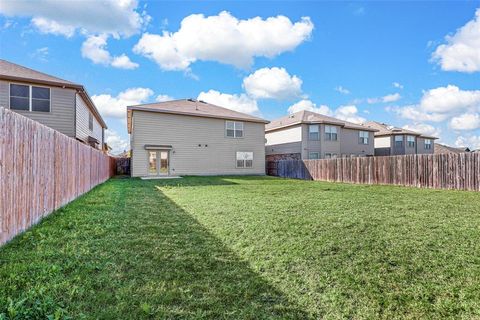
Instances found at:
x=391 y=141
x=310 y=135
x=59 y=104
x=191 y=137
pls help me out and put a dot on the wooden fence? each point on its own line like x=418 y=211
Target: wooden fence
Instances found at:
x=42 y=170
x=122 y=165
x=442 y=171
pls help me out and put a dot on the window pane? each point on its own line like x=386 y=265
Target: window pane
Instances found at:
x=239 y=155
x=240 y=163
x=40 y=93
x=230 y=125
x=398 y=138
x=334 y=129
x=238 y=133
x=41 y=105
x=18 y=90
x=230 y=133
x=248 y=163
x=248 y=156
x=314 y=135
x=313 y=128
x=238 y=125
x=19 y=103
x=334 y=136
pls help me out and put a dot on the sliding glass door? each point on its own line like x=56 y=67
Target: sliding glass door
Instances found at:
x=158 y=162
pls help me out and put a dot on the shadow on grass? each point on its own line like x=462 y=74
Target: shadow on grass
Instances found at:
x=127 y=251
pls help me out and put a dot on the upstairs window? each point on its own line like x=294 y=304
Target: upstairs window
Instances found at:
x=90 y=121
x=428 y=144
x=313 y=132
x=234 y=129
x=244 y=159
x=314 y=155
x=19 y=97
x=331 y=133
x=363 y=137
x=411 y=141
x=398 y=141
x=29 y=98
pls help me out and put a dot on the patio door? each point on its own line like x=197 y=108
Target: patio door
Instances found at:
x=158 y=162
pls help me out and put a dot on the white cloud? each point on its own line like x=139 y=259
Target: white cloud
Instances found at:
x=123 y=62
x=95 y=49
x=115 y=107
x=423 y=128
x=163 y=98
x=462 y=50
x=349 y=113
x=385 y=99
x=449 y=98
x=237 y=102
x=225 y=39
x=114 y=141
x=50 y=26
x=308 y=105
x=272 y=83
x=40 y=54
x=466 y=121
x=473 y=142
x=415 y=113
x=118 y=18
x=342 y=90
x=397 y=85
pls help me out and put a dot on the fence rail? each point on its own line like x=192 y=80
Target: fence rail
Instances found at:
x=42 y=170
x=442 y=171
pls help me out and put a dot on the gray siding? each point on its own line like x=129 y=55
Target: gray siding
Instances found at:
x=83 y=131
x=346 y=145
x=62 y=108
x=421 y=146
x=284 y=141
x=216 y=154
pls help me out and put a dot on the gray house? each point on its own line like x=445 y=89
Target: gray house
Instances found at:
x=59 y=104
x=390 y=140
x=310 y=135
x=190 y=137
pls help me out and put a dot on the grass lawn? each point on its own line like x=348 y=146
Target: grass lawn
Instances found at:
x=248 y=248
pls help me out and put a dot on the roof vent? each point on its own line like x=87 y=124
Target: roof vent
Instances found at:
x=291 y=116
x=202 y=101
x=191 y=100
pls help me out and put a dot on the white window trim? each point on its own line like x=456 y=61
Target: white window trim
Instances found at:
x=30 y=96
x=244 y=160
x=234 y=129
x=409 y=141
x=314 y=132
x=429 y=144
x=310 y=155
x=329 y=133
x=364 y=140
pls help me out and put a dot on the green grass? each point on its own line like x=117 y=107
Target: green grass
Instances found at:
x=248 y=248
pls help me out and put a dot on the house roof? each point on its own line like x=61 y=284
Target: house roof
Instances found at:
x=442 y=148
x=384 y=129
x=14 y=72
x=312 y=118
x=191 y=107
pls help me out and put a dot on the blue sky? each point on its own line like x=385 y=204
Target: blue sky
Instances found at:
x=410 y=64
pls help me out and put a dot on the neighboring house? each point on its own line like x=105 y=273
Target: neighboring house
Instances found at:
x=442 y=148
x=190 y=137
x=391 y=141
x=310 y=135
x=59 y=104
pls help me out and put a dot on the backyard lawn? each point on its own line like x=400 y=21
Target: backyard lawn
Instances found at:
x=248 y=248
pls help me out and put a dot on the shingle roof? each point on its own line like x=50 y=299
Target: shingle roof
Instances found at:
x=312 y=117
x=16 y=72
x=442 y=148
x=9 y=70
x=385 y=130
x=191 y=107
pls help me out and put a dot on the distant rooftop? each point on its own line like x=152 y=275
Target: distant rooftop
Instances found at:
x=384 y=129
x=312 y=118
x=192 y=107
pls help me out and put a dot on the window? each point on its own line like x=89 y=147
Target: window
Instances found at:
x=428 y=144
x=363 y=137
x=19 y=97
x=398 y=141
x=331 y=133
x=330 y=155
x=234 y=129
x=29 y=98
x=244 y=159
x=313 y=132
x=411 y=141
x=313 y=155
x=41 y=99
x=90 y=121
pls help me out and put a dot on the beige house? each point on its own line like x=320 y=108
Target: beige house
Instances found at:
x=59 y=104
x=390 y=140
x=310 y=135
x=190 y=137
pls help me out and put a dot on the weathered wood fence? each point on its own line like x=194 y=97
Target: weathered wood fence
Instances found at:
x=442 y=171
x=42 y=170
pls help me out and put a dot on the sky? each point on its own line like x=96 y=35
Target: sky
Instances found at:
x=410 y=64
